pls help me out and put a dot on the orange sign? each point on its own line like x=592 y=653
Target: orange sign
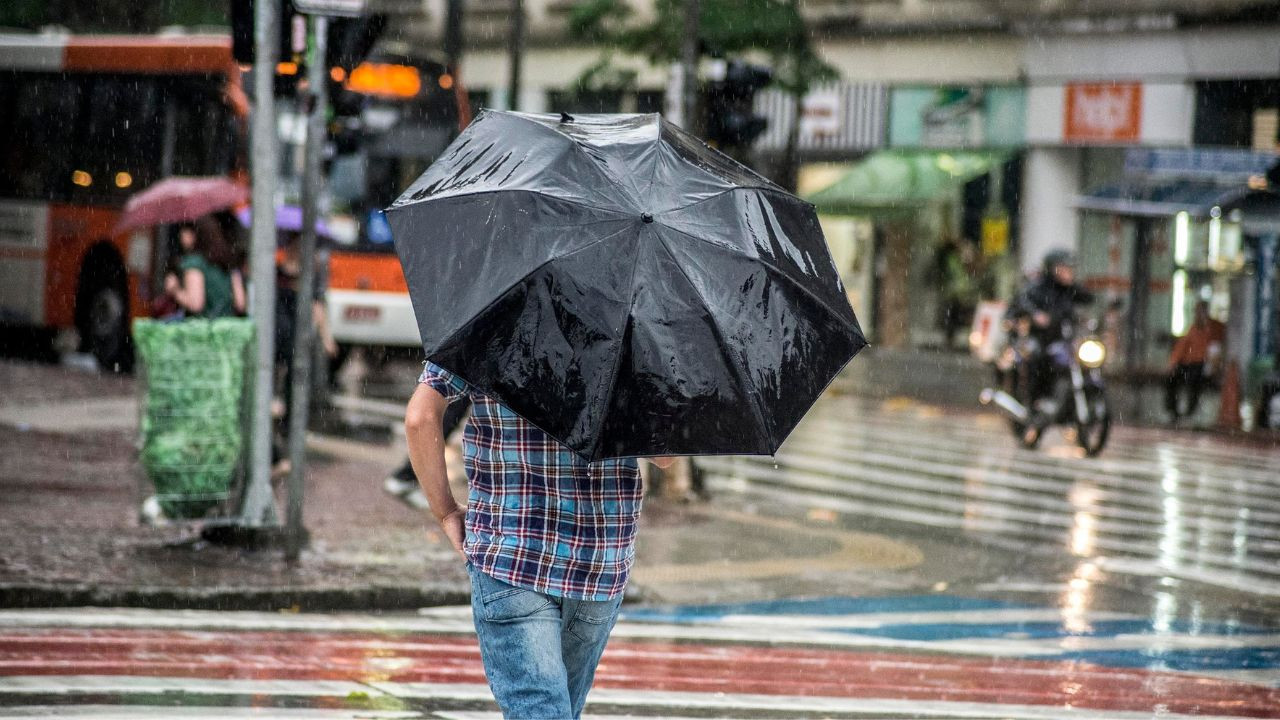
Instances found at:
x=385 y=79
x=1103 y=112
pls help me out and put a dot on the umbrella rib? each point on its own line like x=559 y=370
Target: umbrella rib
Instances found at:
x=780 y=273
x=578 y=147
x=786 y=195
x=617 y=360
x=739 y=370
x=494 y=191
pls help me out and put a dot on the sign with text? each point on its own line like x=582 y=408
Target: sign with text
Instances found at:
x=1103 y=112
x=820 y=114
x=341 y=8
x=957 y=116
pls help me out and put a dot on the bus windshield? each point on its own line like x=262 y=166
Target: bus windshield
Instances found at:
x=387 y=137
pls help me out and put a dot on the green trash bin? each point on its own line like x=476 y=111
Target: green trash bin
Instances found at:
x=193 y=411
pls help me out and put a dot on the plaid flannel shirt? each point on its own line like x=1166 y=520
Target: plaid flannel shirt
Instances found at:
x=538 y=516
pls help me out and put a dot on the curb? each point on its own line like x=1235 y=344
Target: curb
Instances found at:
x=325 y=599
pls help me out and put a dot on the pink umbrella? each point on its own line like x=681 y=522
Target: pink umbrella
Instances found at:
x=180 y=199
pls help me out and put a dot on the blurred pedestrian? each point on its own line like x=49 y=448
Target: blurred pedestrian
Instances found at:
x=288 y=270
x=548 y=538
x=1193 y=361
x=960 y=292
x=208 y=284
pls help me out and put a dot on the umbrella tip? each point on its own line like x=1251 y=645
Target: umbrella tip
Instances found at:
x=565 y=117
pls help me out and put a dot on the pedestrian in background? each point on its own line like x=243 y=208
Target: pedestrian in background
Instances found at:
x=1193 y=361
x=548 y=539
x=288 y=269
x=209 y=285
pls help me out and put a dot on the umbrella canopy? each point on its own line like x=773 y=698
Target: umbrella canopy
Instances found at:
x=622 y=286
x=288 y=218
x=180 y=199
x=900 y=181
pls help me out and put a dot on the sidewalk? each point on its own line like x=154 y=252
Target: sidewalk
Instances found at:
x=71 y=534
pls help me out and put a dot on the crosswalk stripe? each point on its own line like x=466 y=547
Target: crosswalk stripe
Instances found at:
x=684 y=704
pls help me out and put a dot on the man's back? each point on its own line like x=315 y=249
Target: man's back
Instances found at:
x=538 y=516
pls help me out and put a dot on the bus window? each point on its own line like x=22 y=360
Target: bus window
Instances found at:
x=204 y=134
x=122 y=147
x=37 y=128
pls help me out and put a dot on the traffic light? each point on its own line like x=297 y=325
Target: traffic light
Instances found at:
x=242 y=31
x=731 y=118
x=291 y=42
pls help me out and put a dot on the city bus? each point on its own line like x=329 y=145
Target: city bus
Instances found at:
x=409 y=109
x=87 y=122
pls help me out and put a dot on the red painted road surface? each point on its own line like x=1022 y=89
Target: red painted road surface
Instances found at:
x=630 y=664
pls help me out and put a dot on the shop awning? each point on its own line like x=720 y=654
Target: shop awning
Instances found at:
x=901 y=181
x=1166 y=198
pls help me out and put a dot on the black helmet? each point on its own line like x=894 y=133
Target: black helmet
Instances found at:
x=1054 y=258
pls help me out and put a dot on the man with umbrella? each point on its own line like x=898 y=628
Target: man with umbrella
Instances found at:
x=548 y=539
x=603 y=288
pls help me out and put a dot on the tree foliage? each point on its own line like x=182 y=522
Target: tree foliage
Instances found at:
x=727 y=27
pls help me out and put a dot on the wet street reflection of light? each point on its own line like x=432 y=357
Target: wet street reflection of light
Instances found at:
x=1082 y=534
x=1078 y=599
x=1164 y=612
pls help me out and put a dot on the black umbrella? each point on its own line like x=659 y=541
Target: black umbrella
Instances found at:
x=623 y=286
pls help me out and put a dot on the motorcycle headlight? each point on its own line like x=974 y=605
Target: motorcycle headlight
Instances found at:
x=1091 y=353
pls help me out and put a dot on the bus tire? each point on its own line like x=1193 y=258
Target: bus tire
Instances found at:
x=102 y=311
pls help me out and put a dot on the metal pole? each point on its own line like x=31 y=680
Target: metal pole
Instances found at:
x=316 y=103
x=517 y=53
x=258 y=509
x=453 y=36
x=689 y=66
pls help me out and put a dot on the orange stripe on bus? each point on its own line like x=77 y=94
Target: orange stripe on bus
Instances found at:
x=148 y=55
x=366 y=271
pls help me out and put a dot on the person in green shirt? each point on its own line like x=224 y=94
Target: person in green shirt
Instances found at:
x=210 y=285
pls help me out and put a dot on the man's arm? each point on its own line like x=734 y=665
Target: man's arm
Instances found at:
x=423 y=424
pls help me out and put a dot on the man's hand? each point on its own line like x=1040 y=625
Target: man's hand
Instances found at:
x=663 y=462
x=454 y=526
x=1041 y=318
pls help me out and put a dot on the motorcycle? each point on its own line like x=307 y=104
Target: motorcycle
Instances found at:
x=1075 y=394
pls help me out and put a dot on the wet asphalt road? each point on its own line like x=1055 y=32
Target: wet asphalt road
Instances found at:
x=942 y=572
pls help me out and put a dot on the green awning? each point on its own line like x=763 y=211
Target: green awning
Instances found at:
x=891 y=181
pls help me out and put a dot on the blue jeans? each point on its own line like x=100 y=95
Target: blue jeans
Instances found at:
x=539 y=651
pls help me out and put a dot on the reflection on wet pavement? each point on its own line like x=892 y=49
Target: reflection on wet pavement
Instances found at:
x=1161 y=504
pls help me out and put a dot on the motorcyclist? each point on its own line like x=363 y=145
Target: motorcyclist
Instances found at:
x=1043 y=312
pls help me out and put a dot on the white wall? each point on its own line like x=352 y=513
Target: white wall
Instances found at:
x=938 y=60
x=1199 y=53
x=1050 y=182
